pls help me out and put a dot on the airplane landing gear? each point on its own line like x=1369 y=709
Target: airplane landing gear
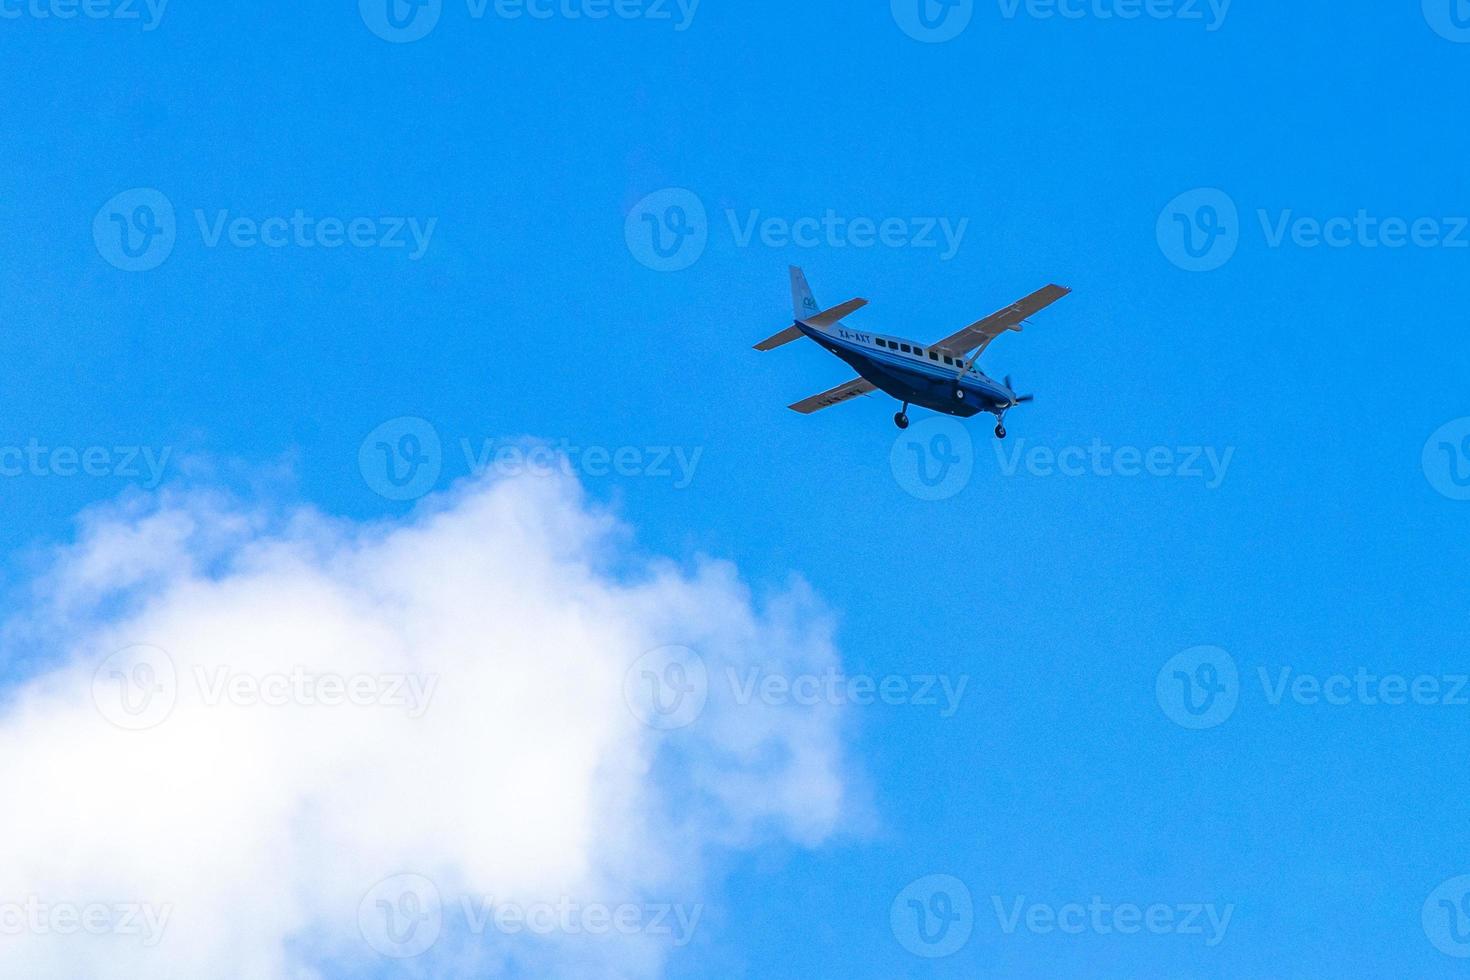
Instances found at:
x=1000 y=430
x=901 y=418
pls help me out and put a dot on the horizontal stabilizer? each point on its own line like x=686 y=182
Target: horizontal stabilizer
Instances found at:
x=821 y=321
x=828 y=317
x=784 y=337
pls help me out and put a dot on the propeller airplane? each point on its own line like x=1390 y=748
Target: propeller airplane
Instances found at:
x=941 y=376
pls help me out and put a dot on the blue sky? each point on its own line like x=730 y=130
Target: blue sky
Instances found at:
x=1332 y=542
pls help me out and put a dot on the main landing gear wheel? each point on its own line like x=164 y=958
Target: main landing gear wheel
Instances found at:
x=1000 y=431
x=901 y=420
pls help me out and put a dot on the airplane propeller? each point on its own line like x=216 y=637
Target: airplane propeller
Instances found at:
x=1020 y=399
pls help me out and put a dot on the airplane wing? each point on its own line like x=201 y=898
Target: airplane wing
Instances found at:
x=980 y=333
x=842 y=393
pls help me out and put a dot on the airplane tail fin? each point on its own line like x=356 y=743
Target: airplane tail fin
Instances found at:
x=806 y=310
x=803 y=303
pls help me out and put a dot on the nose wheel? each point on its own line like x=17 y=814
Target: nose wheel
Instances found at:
x=901 y=417
x=1000 y=431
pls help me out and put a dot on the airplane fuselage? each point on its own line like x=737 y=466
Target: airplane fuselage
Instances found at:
x=915 y=374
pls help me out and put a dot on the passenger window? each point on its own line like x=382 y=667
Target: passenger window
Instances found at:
x=933 y=356
x=905 y=348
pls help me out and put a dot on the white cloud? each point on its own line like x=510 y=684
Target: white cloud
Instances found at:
x=485 y=745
